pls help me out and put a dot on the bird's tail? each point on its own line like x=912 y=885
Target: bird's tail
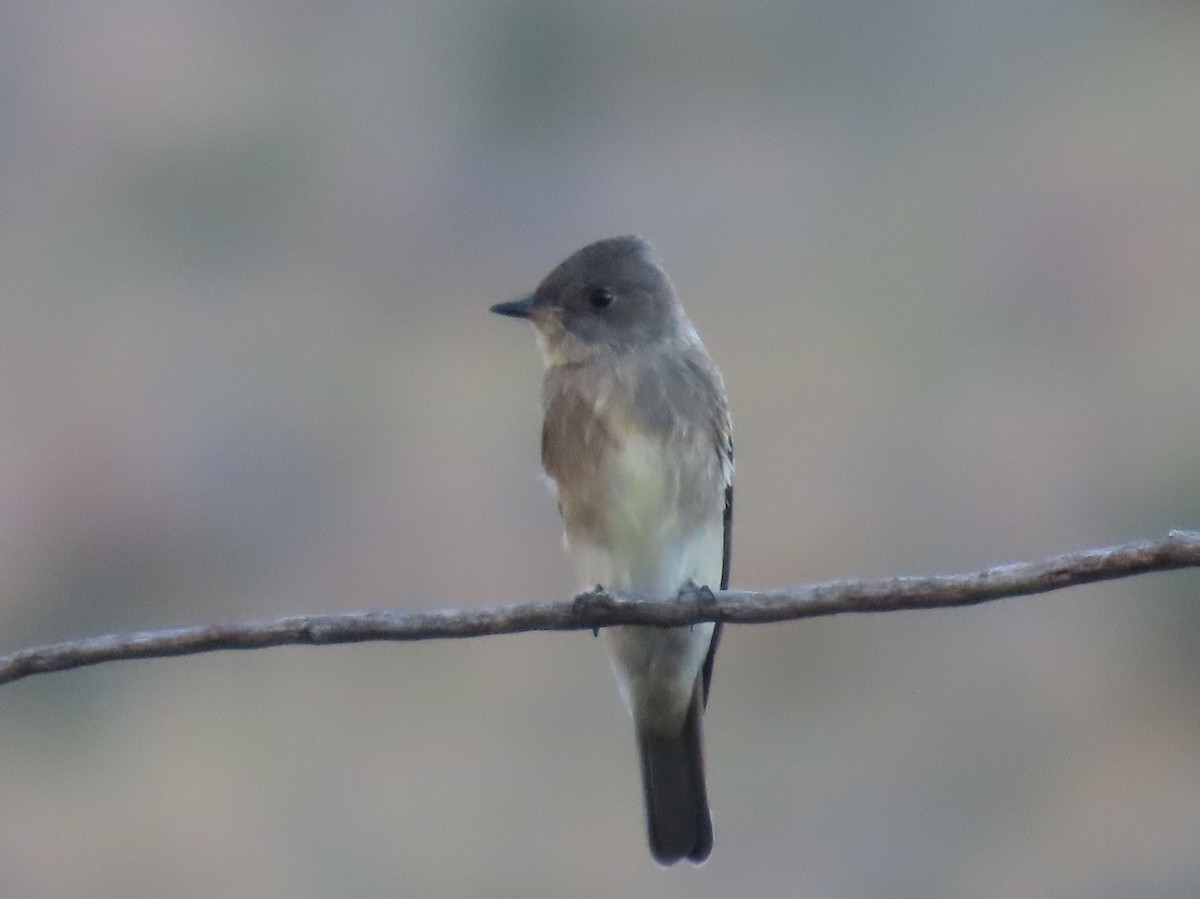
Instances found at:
x=677 y=817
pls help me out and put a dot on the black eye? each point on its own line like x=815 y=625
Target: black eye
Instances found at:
x=600 y=298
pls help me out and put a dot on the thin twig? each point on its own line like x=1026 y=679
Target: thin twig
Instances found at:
x=601 y=608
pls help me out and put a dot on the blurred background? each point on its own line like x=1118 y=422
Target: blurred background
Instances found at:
x=946 y=255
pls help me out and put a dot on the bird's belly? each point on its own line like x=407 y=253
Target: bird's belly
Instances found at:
x=658 y=523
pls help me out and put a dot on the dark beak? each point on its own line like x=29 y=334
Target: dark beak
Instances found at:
x=522 y=308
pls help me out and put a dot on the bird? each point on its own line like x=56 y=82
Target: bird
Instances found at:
x=637 y=446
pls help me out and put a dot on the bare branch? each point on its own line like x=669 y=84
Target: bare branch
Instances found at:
x=1181 y=549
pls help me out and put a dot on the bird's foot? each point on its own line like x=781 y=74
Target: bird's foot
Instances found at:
x=595 y=598
x=701 y=594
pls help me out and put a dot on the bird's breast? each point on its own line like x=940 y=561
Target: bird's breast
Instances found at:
x=638 y=475
x=648 y=483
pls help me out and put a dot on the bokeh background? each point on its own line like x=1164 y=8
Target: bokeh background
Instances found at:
x=948 y=257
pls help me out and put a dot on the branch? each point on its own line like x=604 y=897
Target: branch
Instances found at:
x=602 y=608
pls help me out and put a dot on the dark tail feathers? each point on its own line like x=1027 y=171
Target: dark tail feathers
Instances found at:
x=677 y=818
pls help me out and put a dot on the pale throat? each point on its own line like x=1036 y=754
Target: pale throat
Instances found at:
x=558 y=347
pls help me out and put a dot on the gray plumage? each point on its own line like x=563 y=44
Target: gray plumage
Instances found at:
x=637 y=442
